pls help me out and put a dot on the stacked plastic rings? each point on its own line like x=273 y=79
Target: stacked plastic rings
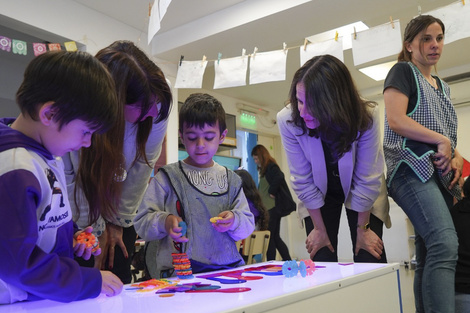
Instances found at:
x=89 y=240
x=182 y=265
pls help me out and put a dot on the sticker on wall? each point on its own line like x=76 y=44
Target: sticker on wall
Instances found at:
x=39 y=48
x=70 y=46
x=19 y=47
x=54 y=46
x=5 y=43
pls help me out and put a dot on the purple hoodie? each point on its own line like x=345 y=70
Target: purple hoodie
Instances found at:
x=36 y=236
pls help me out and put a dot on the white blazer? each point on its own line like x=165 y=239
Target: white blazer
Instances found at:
x=361 y=169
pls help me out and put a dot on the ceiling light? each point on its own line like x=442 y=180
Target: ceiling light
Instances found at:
x=343 y=31
x=378 y=72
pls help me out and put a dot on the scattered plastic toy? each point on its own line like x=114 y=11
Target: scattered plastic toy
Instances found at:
x=302 y=269
x=152 y=285
x=310 y=266
x=291 y=268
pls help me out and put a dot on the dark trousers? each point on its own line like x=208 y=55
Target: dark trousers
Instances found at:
x=275 y=242
x=122 y=265
x=331 y=214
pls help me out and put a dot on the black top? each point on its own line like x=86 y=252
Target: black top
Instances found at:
x=334 y=182
x=401 y=77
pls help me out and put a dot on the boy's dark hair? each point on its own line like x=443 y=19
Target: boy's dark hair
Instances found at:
x=200 y=109
x=77 y=83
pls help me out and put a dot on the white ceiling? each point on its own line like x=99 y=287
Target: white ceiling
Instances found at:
x=194 y=28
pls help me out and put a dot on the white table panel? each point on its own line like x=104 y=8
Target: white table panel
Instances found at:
x=359 y=287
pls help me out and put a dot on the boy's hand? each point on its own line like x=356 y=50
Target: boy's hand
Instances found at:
x=225 y=223
x=80 y=249
x=111 y=285
x=173 y=230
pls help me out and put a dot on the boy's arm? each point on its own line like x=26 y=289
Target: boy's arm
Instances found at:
x=244 y=221
x=150 y=220
x=26 y=266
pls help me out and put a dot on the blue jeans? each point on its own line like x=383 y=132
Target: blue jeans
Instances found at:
x=462 y=302
x=427 y=206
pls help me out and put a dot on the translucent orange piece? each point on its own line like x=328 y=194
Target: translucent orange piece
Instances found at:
x=154 y=284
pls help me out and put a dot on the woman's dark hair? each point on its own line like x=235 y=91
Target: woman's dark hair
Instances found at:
x=332 y=99
x=264 y=158
x=414 y=27
x=252 y=193
x=137 y=79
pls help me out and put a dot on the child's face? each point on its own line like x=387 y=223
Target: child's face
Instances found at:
x=72 y=136
x=202 y=143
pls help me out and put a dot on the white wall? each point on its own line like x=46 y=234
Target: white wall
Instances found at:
x=463 y=144
x=72 y=20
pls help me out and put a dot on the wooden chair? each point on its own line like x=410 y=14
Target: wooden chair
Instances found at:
x=256 y=243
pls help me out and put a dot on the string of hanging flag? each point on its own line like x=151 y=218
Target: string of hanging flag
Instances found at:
x=20 y=47
x=367 y=46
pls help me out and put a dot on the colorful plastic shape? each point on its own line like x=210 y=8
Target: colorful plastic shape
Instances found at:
x=290 y=269
x=184 y=227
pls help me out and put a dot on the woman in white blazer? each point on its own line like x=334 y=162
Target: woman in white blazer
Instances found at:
x=332 y=140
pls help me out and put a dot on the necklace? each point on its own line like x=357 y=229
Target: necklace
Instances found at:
x=432 y=82
x=121 y=174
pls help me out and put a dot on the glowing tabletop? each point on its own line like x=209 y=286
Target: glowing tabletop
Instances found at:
x=333 y=287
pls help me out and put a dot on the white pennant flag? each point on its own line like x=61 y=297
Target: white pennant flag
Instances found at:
x=230 y=72
x=332 y=47
x=456 y=19
x=376 y=43
x=268 y=66
x=190 y=74
x=154 y=22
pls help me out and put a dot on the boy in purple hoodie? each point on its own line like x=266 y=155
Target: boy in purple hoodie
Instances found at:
x=64 y=98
